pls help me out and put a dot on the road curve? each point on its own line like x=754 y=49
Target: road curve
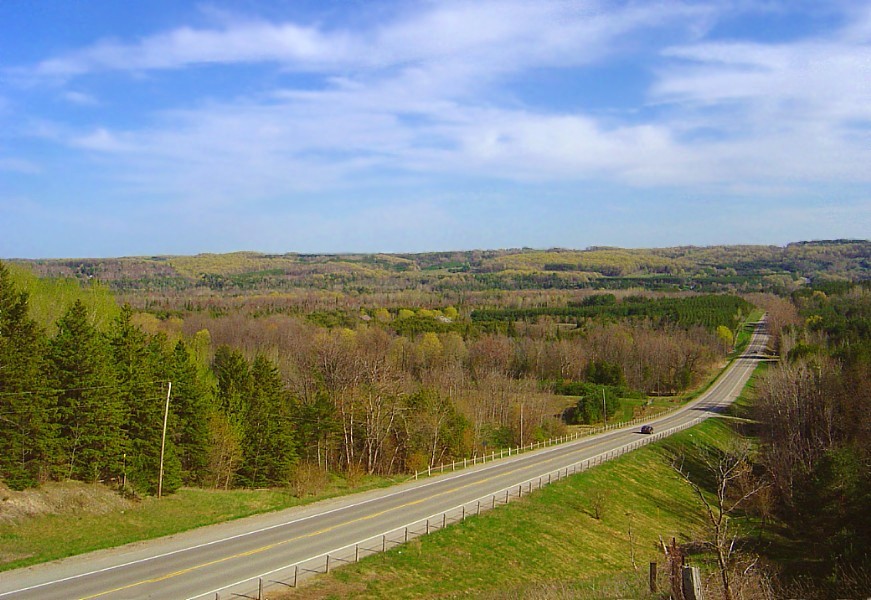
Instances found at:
x=229 y=558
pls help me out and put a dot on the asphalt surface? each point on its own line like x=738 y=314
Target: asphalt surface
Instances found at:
x=234 y=559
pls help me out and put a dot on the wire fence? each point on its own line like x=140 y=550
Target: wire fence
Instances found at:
x=515 y=450
x=293 y=574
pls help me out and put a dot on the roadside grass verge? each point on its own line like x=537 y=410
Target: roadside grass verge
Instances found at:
x=36 y=539
x=552 y=536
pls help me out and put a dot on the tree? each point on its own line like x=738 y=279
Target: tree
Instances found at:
x=269 y=449
x=25 y=433
x=433 y=428
x=725 y=336
x=228 y=428
x=605 y=373
x=191 y=407
x=90 y=416
x=316 y=424
x=731 y=472
x=138 y=364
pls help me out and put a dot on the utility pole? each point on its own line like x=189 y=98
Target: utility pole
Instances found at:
x=521 y=423
x=163 y=439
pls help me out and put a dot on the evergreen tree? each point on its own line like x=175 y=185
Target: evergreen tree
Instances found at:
x=228 y=426
x=270 y=441
x=190 y=413
x=316 y=423
x=140 y=370
x=89 y=414
x=25 y=434
x=234 y=380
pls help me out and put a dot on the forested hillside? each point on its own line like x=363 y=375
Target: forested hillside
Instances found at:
x=260 y=388
x=715 y=268
x=346 y=365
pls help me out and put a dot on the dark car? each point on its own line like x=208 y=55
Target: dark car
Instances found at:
x=647 y=429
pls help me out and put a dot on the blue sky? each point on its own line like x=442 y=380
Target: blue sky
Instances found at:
x=173 y=127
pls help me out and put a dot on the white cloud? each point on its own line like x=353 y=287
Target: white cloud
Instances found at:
x=80 y=98
x=101 y=140
x=422 y=96
x=248 y=42
x=491 y=36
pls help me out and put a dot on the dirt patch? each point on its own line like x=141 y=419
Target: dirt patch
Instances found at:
x=57 y=499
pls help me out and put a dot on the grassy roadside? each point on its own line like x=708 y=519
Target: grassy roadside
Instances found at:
x=553 y=536
x=69 y=531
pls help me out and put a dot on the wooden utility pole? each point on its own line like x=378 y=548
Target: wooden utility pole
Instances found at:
x=163 y=440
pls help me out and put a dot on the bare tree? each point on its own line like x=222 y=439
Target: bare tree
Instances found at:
x=731 y=470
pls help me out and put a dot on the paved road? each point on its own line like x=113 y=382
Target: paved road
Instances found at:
x=229 y=558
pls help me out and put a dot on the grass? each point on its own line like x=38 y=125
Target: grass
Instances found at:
x=47 y=537
x=552 y=536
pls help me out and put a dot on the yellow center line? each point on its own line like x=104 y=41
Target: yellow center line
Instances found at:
x=313 y=533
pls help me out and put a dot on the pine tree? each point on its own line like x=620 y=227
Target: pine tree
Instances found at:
x=25 y=434
x=228 y=426
x=270 y=441
x=89 y=414
x=234 y=381
x=140 y=371
x=191 y=409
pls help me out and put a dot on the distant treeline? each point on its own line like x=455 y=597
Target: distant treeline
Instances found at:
x=708 y=311
x=707 y=269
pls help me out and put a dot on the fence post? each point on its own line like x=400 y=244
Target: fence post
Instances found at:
x=506 y=496
x=652 y=577
x=464 y=513
x=444 y=520
x=406 y=534
x=692 y=584
x=356 y=552
x=260 y=589
x=427 y=526
x=295 y=574
x=328 y=564
x=384 y=543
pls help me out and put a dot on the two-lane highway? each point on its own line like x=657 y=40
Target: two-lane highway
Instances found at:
x=226 y=557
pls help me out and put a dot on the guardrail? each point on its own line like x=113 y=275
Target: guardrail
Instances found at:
x=291 y=575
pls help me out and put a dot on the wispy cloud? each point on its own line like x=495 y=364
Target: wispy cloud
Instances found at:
x=80 y=98
x=435 y=92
